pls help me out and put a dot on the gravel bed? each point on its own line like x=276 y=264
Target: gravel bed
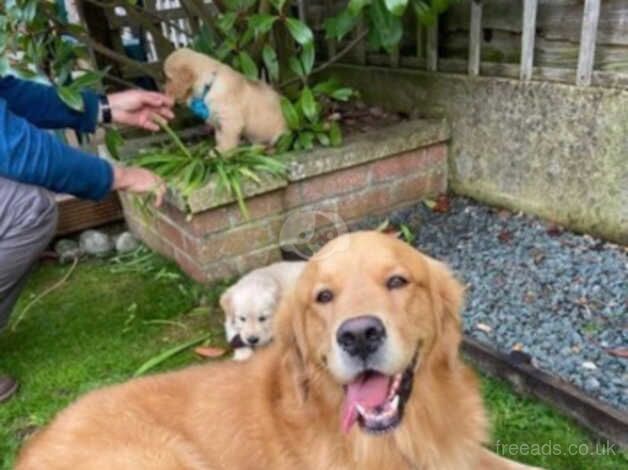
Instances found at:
x=558 y=296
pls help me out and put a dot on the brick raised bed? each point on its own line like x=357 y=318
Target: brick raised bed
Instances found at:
x=370 y=174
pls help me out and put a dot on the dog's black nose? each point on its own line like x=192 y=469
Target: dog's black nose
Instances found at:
x=361 y=336
x=252 y=340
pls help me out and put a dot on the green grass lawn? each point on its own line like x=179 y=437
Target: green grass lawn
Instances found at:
x=100 y=326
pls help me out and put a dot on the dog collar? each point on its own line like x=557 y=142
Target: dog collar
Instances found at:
x=199 y=107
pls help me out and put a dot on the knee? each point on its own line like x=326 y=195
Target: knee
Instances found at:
x=44 y=213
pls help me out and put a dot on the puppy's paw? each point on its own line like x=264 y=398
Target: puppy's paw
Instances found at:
x=242 y=354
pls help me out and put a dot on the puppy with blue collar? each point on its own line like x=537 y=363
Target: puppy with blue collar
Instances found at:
x=232 y=104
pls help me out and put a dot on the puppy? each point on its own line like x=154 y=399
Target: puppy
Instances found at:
x=250 y=304
x=237 y=106
x=364 y=374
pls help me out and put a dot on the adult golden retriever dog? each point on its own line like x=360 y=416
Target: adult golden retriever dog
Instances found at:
x=237 y=106
x=364 y=375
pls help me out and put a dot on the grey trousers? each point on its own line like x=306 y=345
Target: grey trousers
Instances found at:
x=28 y=219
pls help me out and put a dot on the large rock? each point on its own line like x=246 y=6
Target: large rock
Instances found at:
x=67 y=250
x=95 y=243
x=126 y=243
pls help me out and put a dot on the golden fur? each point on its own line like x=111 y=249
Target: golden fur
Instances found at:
x=238 y=106
x=281 y=410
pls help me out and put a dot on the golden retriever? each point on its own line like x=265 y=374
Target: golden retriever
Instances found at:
x=364 y=374
x=250 y=305
x=238 y=106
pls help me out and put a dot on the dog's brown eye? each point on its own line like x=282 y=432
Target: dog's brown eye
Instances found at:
x=395 y=282
x=325 y=296
x=262 y=319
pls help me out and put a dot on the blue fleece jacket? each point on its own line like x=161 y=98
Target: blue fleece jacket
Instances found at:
x=30 y=155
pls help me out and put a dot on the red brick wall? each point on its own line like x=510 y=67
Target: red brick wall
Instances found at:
x=219 y=243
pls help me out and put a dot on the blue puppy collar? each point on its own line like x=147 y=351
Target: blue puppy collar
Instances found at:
x=199 y=107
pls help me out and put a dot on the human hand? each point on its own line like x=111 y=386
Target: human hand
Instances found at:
x=140 y=108
x=139 y=180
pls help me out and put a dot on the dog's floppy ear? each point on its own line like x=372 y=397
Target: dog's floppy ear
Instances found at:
x=290 y=333
x=226 y=302
x=180 y=82
x=447 y=296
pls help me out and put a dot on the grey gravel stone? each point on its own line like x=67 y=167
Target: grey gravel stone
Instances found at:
x=68 y=250
x=126 y=242
x=95 y=243
x=591 y=384
x=561 y=295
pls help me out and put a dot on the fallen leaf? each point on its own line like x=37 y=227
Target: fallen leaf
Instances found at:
x=442 y=204
x=619 y=352
x=504 y=214
x=483 y=327
x=210 y=352
x=504 y=236
x=554 y=230
x=429 y=203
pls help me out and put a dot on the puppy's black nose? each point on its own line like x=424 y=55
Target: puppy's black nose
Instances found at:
x=361 y=336
x=252 y=340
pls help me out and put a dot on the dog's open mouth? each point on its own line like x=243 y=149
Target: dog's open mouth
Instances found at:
x=376 y=401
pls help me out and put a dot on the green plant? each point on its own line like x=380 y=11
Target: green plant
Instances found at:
x=36 y=41
x=308 y=118
x=189 y=168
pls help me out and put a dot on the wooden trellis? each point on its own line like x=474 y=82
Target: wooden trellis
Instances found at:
x=427 y=56
x=533 y=57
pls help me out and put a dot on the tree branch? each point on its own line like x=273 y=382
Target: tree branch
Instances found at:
x=354 y=42
x=113 y=55
x=140 y=10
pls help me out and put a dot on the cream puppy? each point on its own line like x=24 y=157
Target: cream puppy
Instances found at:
x=250 y=305
x=237 y=106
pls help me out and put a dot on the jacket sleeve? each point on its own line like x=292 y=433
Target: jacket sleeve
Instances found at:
x=41 y=106
x=31 y=155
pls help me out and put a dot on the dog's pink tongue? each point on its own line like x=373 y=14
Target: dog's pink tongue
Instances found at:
x=369 y=391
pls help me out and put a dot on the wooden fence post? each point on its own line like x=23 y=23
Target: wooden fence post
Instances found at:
x=475 y=38
x=431 y=53
x=527 y=38
x=587 y=41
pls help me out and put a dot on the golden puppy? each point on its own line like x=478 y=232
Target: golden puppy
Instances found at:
x=238 y=106
x=364 y=375
x=250 y=305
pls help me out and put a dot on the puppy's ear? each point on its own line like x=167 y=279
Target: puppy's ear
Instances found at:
x=180 y=83
x=290 y=333
x=226 y=302
x=447 y=297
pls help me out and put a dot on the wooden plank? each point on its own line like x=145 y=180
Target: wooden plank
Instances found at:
x=494 y=69
x=431 y=53
x=360 y=48
x=603 y=420
x=587 y=42
x=302 y=10
x=76 y=215
x=475 y=37
x=331 y=44
x=394 y=57
x=420 y=46
x=527 y=38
